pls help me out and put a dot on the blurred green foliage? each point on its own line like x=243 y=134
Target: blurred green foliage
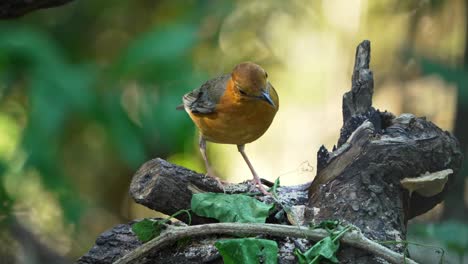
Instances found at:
x=457 y=76
x=129 y=95
x=452 y=234
x=87 y=94
x=60 y=93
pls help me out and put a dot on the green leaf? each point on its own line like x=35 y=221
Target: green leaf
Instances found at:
x=325 y=248
x=147 y=229
x=275 y=186
x=230 y=207
x=248 y=251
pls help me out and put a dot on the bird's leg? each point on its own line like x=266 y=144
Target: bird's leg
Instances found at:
x=209 y=170
x=256 y=179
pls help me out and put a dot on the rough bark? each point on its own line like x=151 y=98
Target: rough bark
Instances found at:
x=358 y=182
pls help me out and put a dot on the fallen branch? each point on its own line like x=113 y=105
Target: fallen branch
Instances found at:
x=171 y=235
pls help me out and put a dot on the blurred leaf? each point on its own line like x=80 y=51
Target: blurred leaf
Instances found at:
x=452 y=234
x=171 y=128
x=56 y=90
x=457 y=76
x=248 y=251
x=123 y=131
x=436 y=3
x=156 y=52
x=230 y=207
x=28 y=48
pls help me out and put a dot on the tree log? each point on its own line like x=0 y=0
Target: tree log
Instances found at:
x=168 y=188
x=385 y=170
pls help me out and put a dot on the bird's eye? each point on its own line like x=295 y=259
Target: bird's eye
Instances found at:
x=266 y=74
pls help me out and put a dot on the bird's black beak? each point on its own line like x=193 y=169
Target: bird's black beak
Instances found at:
x=266 y=96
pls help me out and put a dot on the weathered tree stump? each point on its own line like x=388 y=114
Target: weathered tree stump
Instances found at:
x=385 y=171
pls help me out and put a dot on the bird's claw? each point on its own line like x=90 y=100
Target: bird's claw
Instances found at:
x=260 y=186
x=218 y=181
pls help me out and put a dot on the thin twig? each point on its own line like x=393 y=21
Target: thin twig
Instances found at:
x=172 y=234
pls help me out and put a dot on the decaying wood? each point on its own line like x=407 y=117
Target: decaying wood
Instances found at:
x=359 y=183
x=17 y=8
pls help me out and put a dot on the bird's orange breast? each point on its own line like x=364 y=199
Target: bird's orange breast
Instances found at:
x=236 y=120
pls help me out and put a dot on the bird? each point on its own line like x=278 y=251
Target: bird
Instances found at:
x=235 y=108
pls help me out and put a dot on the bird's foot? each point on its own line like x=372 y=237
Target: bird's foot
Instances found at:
x=258 y=183
x=218 y=180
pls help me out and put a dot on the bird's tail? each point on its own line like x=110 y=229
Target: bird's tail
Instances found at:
x=180 y=107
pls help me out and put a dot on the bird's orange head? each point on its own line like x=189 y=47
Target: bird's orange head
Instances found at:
x=251 y=82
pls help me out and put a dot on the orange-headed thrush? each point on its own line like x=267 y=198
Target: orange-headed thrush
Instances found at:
x=235 y=108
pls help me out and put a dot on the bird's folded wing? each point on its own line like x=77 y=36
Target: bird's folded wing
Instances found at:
x=204 y=99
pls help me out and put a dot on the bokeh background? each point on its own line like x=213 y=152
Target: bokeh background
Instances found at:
x=88 y=93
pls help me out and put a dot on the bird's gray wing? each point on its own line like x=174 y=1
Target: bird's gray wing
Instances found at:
x=204 y=99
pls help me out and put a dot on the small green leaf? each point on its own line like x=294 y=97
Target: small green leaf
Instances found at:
x=230 y=207
x=325 y=248
x=248 y=251
x=147 y=229
x=275 y=186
